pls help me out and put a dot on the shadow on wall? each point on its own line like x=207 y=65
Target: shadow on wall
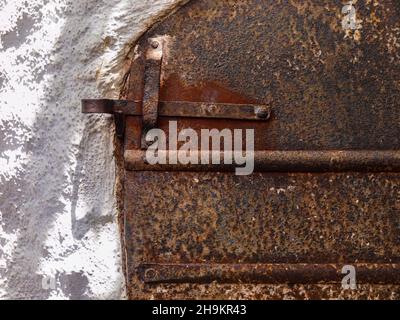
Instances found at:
x=70 y=169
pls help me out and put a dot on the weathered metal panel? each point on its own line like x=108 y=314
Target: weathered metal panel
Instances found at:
x=263 y=218
x=333 y=93
x=346 y=218
x=328 y=91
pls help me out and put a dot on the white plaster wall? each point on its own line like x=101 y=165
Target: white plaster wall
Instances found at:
x=58 y=217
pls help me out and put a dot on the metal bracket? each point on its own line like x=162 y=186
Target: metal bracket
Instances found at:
x=181 y=109
x=119 y=108
x=152 y=74
x=176 y=109
x=151 y=108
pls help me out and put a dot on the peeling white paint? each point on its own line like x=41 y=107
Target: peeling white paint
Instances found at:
x=58 y=214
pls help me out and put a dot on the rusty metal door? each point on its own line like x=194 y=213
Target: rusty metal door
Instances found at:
x=324 y=101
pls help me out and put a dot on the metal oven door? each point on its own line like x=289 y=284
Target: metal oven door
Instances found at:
x=323 y=202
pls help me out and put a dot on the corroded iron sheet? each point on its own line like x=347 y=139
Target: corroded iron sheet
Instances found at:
x=330 y=91
x=265 y=218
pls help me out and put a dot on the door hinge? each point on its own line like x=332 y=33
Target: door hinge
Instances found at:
x=151 y=108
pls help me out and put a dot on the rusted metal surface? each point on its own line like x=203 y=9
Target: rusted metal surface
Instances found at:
x=245 y=291
x=120 y=123
x=278 y=161
x=265 y=218
x=335 y=96
x=266 y=273
x=327 y=90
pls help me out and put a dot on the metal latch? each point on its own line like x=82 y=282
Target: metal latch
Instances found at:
x=151 y=108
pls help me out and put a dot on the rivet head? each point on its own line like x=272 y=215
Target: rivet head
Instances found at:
x=154 y=44
x=150 y=274
x=263 y=113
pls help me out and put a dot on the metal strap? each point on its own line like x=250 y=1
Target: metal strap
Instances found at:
x=183 y=109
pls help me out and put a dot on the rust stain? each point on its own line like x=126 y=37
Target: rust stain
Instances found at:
x=174 y=89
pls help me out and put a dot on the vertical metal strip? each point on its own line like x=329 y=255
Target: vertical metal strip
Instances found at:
x=152 y=75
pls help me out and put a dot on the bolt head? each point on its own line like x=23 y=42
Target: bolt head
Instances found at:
x=154 y=44
x=263 y=113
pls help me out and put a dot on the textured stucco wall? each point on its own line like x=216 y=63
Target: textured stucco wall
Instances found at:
x=59 y=236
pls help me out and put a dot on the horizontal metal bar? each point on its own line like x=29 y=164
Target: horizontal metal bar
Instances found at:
x=129 y=108
x=181 y=109
x=214 y=110
x=279 y=161
x=267 y=273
